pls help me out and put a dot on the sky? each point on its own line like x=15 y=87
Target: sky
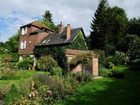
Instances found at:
x=78 y=13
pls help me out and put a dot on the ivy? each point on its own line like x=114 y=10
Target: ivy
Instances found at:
x=79 y=43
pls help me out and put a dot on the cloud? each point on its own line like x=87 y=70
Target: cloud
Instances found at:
x=79 y=13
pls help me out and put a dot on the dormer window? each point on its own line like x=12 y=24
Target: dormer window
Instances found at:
x=24 y=30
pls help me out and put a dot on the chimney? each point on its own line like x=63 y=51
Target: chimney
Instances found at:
x=68 y=32
x=61 y=27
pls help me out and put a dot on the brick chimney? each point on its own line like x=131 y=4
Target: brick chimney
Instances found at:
x=61 y=27
x=68 y=32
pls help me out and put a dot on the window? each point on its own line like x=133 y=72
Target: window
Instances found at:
x=23 y=45
x=24 y=30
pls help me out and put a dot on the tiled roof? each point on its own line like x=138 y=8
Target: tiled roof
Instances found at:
x=60 y=38
x=37 y=24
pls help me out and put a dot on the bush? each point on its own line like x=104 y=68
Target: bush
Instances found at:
x=119 y=58
x=54 y=88
x=135 y=64
x=117 y=74
x=8 y=74
x=47 y=63
x=58 y=53
x=25 y=64
x=6 y=58
x=105 y=72
x=83 y=78
x=109 y=65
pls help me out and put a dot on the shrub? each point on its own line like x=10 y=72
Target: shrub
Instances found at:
x=58 y=53
x=6 y=58
x=47 y=63
x=25 y=64
x=82 y=78
x=109 y=65
x=11 y=96
x=8 y=74
x=53 y=88
x=119 y=58
x=105 y=72
x=117 y=74
x=135 y=64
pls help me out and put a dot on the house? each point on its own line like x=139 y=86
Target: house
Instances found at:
x=36 y=34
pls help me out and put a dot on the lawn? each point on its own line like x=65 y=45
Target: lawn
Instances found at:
x=109 y=91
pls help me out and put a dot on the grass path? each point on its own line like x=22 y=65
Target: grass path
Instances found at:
x=109 y=91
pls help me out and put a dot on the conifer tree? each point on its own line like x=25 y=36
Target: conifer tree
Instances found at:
x=98 y=25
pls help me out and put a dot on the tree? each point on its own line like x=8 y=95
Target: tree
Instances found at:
x=134 y=26
x=47 y=16
x=47 y=20
x=58 y=53
x=108 y=27
x=12 y=44
x=98 y=25
x=117 y=26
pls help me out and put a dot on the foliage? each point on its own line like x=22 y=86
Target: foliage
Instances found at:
x=25 y=64
x=133 y=43
x=117 y=26
x=47 y=16
x=119 y=74
x=47 y=20
x=12 y=96
x=119 y=58
x=134 y=26
x=135 y=65
x=109 y=65
x=12 y=44
x=82 y=59
x=97 y=35
x=83 y=78
x=104 y=72
x=47 y=63
x=101 y=55
x=6 y=58
x=58 y=53
x=108 y=28
x=109 y=50
x=79 y=43
x=53 y=88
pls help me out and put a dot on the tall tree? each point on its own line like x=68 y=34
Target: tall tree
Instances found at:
x=134 y=26
x=108 y=27
x=117 y=26
x=47 y=16
x=47 y=20
x=12 y=44
x=98 y=25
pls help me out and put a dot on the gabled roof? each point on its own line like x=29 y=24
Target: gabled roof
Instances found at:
x=60 y=38
x=39 y=25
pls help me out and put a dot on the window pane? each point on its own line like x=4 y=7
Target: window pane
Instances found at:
x=22 y=31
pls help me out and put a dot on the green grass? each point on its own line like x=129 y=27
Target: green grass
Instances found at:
x=109 y=91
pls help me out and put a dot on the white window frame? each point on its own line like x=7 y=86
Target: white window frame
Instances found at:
x=21 y=45
x=23 y=30
x=24 y=45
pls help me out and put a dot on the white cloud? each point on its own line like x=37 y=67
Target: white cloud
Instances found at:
x=79 y=13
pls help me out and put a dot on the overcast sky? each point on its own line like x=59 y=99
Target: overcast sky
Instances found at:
x=78 y=13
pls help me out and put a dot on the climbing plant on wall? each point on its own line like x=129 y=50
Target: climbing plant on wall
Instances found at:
x=79 y=43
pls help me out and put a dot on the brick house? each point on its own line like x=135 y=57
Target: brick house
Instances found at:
x=36 y=34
